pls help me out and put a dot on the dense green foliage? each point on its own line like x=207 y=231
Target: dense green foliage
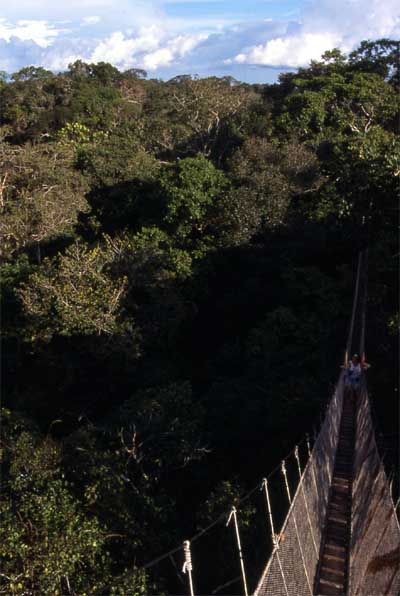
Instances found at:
x=177 y=277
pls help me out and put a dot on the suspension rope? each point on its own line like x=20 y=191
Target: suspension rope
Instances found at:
x=162 y=557
x=364 y=304
x=308 y=445
x=296 y=527
x=353 y=313
x=296 y=454
x=233 y=515
x=243 y=499
x=187 y=566
x=358 y=315
x=311 y=464
x=273 y=535
x=226 y=584
x=221 y=518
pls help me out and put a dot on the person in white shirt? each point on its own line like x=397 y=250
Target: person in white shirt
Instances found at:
x=353 y=372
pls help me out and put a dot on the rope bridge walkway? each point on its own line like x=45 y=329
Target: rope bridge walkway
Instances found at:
x=333 y=572
x=341 y=535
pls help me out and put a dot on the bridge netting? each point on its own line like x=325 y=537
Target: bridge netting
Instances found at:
x=293 y=564
x=375 y=530
x=374 y=553
x=374 y=548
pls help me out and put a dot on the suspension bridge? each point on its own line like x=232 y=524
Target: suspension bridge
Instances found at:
x=341 y=535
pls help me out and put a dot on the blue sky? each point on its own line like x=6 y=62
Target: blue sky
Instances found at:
x=236 y=10
x=252 y=40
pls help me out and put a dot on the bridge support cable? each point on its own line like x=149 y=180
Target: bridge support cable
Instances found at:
x=302 y=535
x=296 y=526
x=296 y=454
x=333 y=574
x=341 y=534
x=374 y=565
x=273 y=535
x=375 y=530
x=233 y=515
x=364 y=305
x=312 y=467
x=286 y=562
x=354 y=308
x=187 y=566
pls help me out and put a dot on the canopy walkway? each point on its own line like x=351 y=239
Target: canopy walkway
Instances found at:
x=354 y=521
x=343 y=504
x=333 y=571
x=341 y=535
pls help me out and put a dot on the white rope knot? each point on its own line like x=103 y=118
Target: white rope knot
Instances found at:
x=308 y=445
x=232 y=513
x=187 y=566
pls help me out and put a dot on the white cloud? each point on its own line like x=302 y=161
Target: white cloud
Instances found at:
x=91 y=20
x=59 y=60
x=176 y=48
x=138 y=33
x=326 y=24
x=150 y=48
x=161 y=57
x=121 y=50
x=41 y=32
x=292 y=51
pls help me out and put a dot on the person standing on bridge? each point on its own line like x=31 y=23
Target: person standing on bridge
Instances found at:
x=353 y=372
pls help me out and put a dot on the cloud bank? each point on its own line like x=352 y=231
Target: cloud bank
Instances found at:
x=327 y=24
x=142 y=34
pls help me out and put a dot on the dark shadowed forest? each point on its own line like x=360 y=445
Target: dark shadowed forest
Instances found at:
x=177 y=273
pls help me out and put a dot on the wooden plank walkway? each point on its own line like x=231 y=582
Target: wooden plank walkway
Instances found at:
x=333 y=565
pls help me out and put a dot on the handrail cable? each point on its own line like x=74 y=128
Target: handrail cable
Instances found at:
x=357 y=320
x=223 y=515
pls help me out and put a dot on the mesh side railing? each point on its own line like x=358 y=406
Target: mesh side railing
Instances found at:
x=375 y=531
x=292 y=566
